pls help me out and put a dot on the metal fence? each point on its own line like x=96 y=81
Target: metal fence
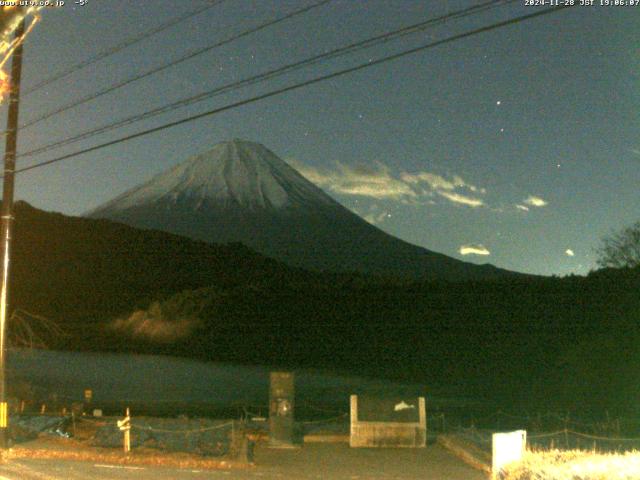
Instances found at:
x=201 y=436
x=604 y=436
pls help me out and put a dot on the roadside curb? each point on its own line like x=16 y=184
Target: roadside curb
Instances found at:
x=470 y=454
x=319 y=438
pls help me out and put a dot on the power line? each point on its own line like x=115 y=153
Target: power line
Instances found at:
x=297 y=86
x=188 y=56
x=121 y=46
x=272 y=73
x=367 y=43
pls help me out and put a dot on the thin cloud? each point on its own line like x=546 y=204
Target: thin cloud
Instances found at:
x=310 y=173
x=635 y=151
x=534 y=201
x=474 y=249
x=570 y=252
x=378 y=183
x=360 y=181
x=461 y=199
x=438 y=182
x=524 y=208
x=376 y=218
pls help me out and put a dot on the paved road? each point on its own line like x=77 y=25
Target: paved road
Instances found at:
x=313 y=462
x=32 y=469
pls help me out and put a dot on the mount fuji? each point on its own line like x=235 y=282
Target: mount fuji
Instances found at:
x=240 y=191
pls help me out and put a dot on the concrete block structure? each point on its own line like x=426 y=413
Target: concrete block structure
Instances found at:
x=388 y=422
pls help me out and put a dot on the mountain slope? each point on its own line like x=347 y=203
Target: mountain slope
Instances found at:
x=241 y=192
x=82 y=272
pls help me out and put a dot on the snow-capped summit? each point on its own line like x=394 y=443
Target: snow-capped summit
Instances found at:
x=235 y=173
x=240 y=191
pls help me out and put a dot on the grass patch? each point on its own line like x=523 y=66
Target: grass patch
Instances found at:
x=72 y=450
x=575 y=465
x=80 y=448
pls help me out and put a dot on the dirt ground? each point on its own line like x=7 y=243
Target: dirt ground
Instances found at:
x=313 y=461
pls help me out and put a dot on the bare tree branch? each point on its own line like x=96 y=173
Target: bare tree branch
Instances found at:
x=28 y=330
x=621 y=249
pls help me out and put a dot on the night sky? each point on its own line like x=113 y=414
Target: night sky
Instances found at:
x=519 y=147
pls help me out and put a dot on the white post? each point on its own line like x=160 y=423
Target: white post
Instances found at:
x=354 y=419
x=423 y=421
x=125 y=427
x=507 y=448
x=127 y=434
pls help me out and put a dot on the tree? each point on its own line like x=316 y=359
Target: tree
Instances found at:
x=621 y=249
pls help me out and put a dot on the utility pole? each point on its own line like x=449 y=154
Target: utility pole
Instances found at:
x=7 y=223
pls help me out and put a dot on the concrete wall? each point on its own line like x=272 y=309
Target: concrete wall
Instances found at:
x=385 y=433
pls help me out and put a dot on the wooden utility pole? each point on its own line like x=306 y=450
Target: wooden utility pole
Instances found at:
x=7 y=224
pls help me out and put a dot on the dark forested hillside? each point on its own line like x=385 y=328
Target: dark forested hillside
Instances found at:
x=567 y=342
x=545 y=341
